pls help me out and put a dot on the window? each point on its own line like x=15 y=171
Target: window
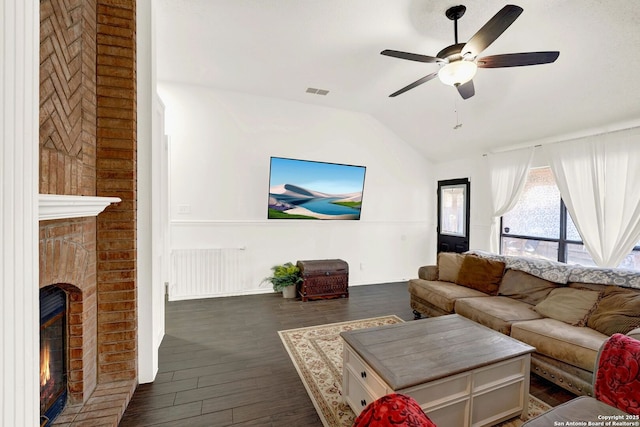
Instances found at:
x=540 y=226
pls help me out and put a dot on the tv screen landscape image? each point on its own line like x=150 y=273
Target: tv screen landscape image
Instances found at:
x=305 y=189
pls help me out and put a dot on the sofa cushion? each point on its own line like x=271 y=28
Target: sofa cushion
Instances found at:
x=498 y=313
x=617 y=312
x=580 y=408
x=588 y=286
x=428 y=272
x=441 y=294
x=568 y=305
x=449 y=264
x=577 y=346
x=481 y=274
x=525 y=287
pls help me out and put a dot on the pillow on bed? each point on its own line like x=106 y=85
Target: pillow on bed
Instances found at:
x=568 y=305
x=481 y=274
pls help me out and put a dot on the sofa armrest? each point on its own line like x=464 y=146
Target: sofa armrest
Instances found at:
x=428 y=272
x=634 y=333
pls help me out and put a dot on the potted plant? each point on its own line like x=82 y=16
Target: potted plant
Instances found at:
x=284 y=279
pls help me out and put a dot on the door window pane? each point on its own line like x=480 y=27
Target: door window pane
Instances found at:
x=452 y=215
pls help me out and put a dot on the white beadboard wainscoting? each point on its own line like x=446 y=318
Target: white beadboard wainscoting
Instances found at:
x=205 y=273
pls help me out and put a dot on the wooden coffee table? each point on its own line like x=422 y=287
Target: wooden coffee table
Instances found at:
x=460 y=372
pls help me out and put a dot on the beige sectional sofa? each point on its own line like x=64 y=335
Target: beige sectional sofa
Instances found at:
x=566 y=312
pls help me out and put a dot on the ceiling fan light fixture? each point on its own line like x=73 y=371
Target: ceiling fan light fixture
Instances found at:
x=457 y=72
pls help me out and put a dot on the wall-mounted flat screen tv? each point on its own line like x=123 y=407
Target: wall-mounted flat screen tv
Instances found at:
x=304 y=189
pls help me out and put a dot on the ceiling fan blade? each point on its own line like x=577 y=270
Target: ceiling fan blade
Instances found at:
x=410 y=56
x=466 y=90
x=517 y=59
x=414 y=84
x=491 y=30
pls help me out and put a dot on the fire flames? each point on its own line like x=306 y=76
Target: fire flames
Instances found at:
x=45 y=368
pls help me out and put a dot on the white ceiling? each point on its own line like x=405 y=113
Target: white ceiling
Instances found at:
x=279 y=48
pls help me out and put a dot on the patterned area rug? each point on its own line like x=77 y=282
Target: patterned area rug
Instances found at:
x=316 y=352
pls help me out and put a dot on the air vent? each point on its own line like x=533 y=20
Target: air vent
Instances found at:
x=317 y=91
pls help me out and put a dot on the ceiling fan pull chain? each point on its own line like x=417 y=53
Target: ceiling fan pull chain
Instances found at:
x=455 y=108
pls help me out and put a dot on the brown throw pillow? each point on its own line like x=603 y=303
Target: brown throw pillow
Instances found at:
x=525 y=287
x=617 y=312
x=568 y=305
x=481 y=274
x=449 y=264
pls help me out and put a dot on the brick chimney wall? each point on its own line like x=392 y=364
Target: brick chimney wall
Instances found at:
x=116 y=176
x=67 y=166
x=88 y=147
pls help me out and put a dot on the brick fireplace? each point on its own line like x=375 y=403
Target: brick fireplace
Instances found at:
x=68 y=261
x=88 y=148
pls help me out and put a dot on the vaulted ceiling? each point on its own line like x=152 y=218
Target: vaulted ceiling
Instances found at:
x=279 y=48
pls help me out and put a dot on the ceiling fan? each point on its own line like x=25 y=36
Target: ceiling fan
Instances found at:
x=459 y=62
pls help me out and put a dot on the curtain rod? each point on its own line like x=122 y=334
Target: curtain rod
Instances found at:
x=513 y=149
x=569 y=137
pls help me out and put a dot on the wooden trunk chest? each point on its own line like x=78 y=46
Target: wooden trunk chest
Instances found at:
x=327 y=278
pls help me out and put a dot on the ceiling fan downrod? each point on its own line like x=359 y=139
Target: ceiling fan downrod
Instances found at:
x=454 y=13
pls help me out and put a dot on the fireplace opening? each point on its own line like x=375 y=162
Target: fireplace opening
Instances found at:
x=53 y=349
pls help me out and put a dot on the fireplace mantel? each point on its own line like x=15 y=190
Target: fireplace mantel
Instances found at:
x=55 y=206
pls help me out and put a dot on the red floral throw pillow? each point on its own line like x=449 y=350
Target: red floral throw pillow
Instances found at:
x=618 y=377
x=395 y=410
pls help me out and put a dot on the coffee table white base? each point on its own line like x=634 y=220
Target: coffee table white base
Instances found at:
x=480 y=397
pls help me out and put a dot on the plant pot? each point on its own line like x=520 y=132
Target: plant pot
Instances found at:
x=289 y=292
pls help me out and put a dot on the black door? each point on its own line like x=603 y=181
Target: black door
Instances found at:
x=453 y=215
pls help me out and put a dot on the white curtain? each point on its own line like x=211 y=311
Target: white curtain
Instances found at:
x=599 y=181
x=507 y=176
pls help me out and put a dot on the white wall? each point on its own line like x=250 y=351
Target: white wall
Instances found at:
x=220 y=147
x=150 y=286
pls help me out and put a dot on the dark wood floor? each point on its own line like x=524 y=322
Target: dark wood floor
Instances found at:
x=222 y=363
